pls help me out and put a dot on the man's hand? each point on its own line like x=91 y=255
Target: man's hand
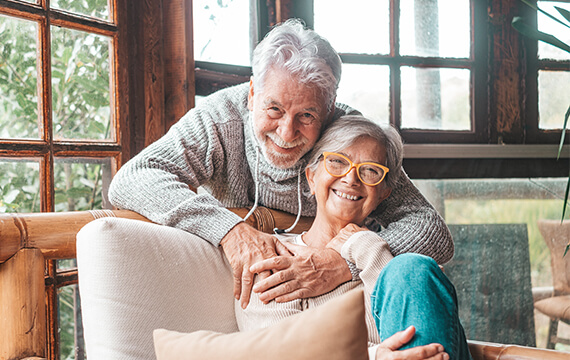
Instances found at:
x=388 y=349
x=244 y=246
x=310 y=272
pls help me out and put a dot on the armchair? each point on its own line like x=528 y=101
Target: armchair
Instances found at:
x=556 y=306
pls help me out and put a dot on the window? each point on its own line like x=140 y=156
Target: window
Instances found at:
x=62 y=111
x=422 y=81
x=553 y=69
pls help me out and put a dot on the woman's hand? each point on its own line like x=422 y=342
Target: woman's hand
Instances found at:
x=343 y=235
x=388 y=349
x=310 y=272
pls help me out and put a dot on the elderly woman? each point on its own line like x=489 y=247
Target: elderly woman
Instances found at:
x=351 y=170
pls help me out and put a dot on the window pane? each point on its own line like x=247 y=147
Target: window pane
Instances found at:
x=435 y=28
x=435 y=99
x=19 y=185
x=222 y=31
x=81 y=184
x=369 y=35
x=72 y=345
x=366 y=88
x=491 y=207
x=553 y=99
x=549 y=26
x=18 y=78
x=81 y=83
x=94 y=8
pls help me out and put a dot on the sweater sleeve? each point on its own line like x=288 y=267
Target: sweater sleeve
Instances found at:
x=156 y=183
x=411 y=224
x=370 y=254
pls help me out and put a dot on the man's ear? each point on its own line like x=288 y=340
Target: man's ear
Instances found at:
x=310 y=180
x=250 y=95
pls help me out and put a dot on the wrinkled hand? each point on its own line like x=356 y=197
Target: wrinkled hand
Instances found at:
x=388 y=349
x=244 y=246
x=346 y=232
x=310 y=272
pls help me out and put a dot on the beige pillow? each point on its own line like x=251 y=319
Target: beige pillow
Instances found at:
x=335 y=330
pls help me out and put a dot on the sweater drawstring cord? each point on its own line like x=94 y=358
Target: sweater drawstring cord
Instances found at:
x=299 y=206
x=256 y=185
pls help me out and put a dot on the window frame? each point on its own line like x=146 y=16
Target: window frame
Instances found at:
x=47 y=149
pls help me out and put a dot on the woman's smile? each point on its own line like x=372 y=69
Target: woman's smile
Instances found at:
x=346 y=196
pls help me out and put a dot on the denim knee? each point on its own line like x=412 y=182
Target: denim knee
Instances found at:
x=410 y=267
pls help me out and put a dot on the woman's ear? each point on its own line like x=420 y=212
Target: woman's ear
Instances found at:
x=384 y=193
x=310 y=180
x=250 y=95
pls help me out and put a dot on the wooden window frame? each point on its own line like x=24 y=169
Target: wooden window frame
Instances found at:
x=46 y=149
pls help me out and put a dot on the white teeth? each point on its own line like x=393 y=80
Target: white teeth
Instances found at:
x=346 y=196
x=284 y=144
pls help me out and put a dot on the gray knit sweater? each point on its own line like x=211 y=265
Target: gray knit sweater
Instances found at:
x=213 y=147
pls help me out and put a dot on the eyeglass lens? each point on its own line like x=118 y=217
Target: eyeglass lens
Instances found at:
x=340 y=166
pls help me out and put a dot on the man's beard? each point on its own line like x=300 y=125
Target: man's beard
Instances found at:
x=282 y=161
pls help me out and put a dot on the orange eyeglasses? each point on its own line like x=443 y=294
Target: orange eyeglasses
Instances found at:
x=369 y=173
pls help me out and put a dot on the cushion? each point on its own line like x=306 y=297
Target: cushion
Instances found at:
x=555 y=307
x=335 y=330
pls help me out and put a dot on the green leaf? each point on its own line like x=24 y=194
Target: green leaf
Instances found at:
x=565 y=13
x=565 y=199
x=78 y=192
x=528 y=31
x=563 y=135
x=565 y=251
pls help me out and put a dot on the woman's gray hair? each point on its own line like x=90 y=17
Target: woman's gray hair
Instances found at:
x=301 y=52
x=346 y=130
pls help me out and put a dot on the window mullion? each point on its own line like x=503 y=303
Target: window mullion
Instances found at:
x=45 y=103
x=395 y=78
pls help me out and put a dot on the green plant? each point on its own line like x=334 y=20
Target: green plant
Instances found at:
x=532 y=32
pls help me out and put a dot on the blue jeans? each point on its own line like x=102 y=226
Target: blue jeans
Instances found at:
x=412 y=290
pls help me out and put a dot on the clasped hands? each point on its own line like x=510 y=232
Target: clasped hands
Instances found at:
x=286 y=271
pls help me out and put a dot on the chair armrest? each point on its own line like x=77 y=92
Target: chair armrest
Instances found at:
x=541 y=293
x=54 y=233
x=491 y=351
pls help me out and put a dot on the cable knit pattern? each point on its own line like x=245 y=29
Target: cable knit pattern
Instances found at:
x=213 y=146
x=365 y=249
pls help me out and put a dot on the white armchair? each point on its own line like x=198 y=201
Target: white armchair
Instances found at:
x=126 y=297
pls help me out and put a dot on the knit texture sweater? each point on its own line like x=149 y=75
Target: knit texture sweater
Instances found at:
x=213 y=147
x=366 y=250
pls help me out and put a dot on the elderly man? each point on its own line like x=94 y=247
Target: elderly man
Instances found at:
x=245 y=146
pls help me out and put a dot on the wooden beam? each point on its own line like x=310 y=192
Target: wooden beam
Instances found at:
x=54 y=233
x=153 y=70
x=22 y=306
x=507 y=86
x=178 y=64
